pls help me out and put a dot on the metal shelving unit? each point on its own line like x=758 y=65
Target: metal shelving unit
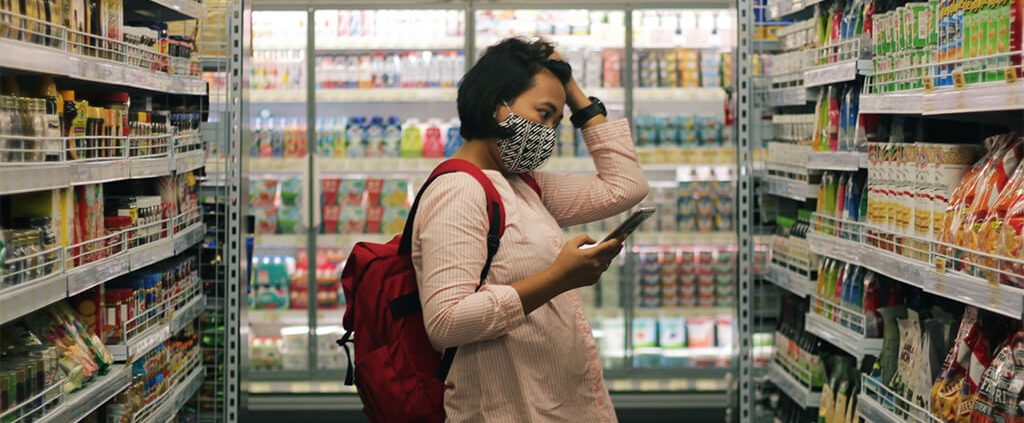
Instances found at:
x=115 y=66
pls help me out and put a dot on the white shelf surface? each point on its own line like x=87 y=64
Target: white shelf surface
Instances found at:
x=92 y=396
x=35 y=58
x=789 y=280
x=781 y=9
x=188 y=237
x=89 y=275
x=874 y=412
x=19 y=300
x=33 y=177
x=331 y=44
x=150 y=253
x=833 y=73
x=989 y=97
x=843 y=338
x=790 y=96
x=430 y=95
x=790 y=188
x=972 y=290
x=837 y=160
x=165 y=10
x=797 y=391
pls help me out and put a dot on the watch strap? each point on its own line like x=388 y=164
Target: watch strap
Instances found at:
x=583 y=115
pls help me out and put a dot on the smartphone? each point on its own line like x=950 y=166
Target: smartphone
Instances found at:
x=627 y=227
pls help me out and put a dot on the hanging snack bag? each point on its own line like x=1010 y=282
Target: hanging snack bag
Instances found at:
x=986 y=234
x=1001 y=390
x=946 y=390
x=989 y=190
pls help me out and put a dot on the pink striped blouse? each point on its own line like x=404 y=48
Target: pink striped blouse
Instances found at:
x=511 y=367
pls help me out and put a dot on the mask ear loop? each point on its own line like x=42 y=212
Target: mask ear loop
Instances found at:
x=522 y=142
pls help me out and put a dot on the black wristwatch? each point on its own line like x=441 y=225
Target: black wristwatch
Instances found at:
x=583 y=115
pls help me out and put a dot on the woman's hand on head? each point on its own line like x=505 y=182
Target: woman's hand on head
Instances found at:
x=576 y=267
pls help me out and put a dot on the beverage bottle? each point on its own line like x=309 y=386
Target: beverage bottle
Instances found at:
x=392 y=137
x=267 y=139
x=356 y=137
x=323 y=141
x=375 y=137
x=454 y=141
x=337 y=134
x=433 y=147
x=257 y=137
x=412 y=140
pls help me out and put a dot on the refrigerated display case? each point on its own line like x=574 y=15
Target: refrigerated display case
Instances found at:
x=380 y=114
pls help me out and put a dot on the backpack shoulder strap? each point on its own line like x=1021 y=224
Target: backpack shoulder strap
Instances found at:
x=495 y=207
x=532 y=182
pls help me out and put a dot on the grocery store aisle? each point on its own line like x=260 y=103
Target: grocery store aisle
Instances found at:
x=625 y=416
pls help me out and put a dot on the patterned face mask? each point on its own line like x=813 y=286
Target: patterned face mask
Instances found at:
x=530 y=145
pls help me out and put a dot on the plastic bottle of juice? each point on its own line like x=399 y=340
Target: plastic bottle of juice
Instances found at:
x=324 y=146
x=277 y=139
x=392 y=137
x=337 y=134
x=454 y=141
x=356 y=137
x=375 y=137
x=412 y=140
x=257 y=137
x=433 y=146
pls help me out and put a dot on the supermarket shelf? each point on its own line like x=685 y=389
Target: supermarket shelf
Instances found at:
x=790 y=96
x=188 y=313
x=833 y=73
x=34 y=58
x=767 y=45
x=80 y=404
x=191 y=160
x=163 y=10
x=156 y=335
x=837 y=160
x=348 y=45
x=563 y=42
x=781 y=9
x=834 y=247
x=345 y=241
x=843 y=338
x=790 y=188
x=19 y=300
x=971 y=290
x=150 y=253
x=873 y=412
x=694 y=94
x=188 y=237
x=22 y=299
x=793 y=388
x=150 y=167
x=140 y=344
x=89 y=275
x=789 y=280
x=180 y=394
x=99 y=171
x=689 y=312
x=34 y=177
x=990 y=97
x=902 y=103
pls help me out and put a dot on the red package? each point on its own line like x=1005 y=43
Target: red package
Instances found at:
x=374 y=187
x=331 y=214
x=329 y=191
x=374 y=217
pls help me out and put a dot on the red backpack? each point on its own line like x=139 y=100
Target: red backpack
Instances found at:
x=400 y=377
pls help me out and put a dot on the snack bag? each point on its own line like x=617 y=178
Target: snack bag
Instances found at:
x=989 y=190
x=395 y=193
x=947 y=392
x=329 y=191
x=987 y=234
x=374 y=188
x=963 y=196
x=1001 y=386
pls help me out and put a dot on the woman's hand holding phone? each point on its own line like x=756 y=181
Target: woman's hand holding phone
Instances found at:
x=578 y=267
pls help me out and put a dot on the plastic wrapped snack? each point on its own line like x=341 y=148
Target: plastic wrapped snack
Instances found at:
x=990 y=188
x=1001 y=389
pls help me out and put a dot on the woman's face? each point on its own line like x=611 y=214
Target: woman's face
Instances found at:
x=542 y=103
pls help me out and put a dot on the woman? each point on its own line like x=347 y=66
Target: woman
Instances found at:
x=525 y=350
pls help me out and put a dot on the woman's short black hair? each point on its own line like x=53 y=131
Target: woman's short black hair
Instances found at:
x=504 y=72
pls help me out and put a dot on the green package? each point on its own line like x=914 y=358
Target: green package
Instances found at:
x=971 y=38
x=990 y=44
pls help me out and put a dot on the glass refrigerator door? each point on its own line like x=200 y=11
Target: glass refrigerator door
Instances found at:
x=385 y=116
x=684 y=278
x=593 y=42
x=278 y=198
